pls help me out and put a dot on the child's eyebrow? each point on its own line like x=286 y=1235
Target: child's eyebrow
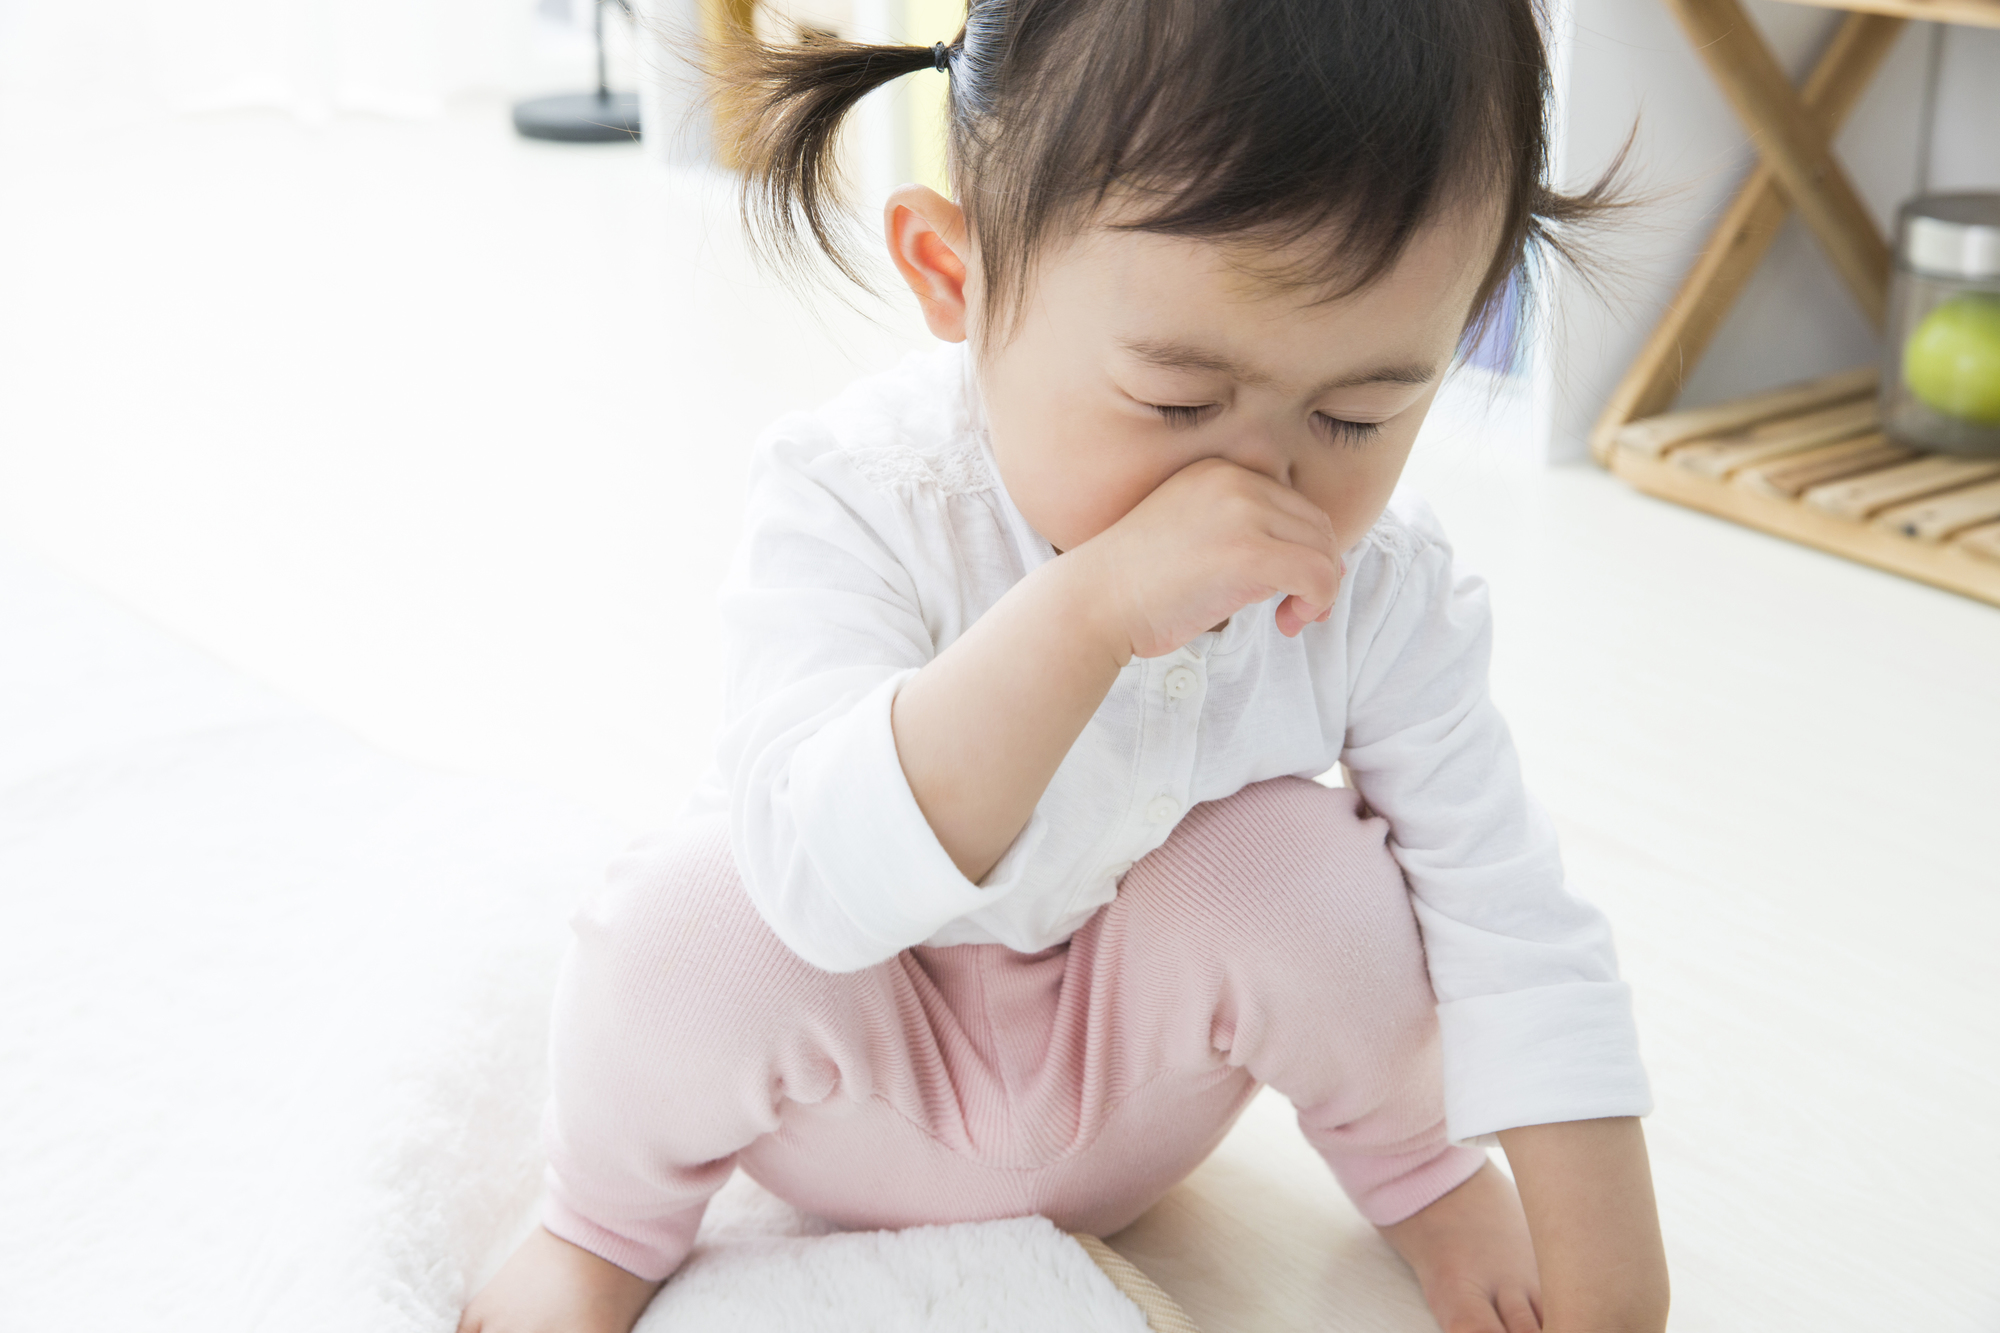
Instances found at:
x=1408 y=372
x=1186 y=356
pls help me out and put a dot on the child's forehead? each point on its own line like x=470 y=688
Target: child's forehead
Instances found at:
x=1293 y=281
x=1209 y=308
x=1321 y=368
x=1272 y=265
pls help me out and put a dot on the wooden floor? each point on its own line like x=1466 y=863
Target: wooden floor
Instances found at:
x=487 y=534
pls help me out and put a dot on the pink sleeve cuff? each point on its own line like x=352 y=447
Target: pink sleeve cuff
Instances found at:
x=654 y=1257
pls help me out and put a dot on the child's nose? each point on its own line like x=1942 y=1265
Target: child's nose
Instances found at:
x=1261 y=451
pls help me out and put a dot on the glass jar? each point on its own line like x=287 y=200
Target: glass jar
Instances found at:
x=1941 y=364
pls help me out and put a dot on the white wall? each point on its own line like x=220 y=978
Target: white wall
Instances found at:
x=113 y=70
x=1629 y=63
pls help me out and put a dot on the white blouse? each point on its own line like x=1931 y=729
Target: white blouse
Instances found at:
x=878 y=531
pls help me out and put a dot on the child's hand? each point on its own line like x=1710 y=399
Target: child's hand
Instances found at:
x=1213 y=539
x=551 y=1286
x=979 y=737
x=1474 y=1258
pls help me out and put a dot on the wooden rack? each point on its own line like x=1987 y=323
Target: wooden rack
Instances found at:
x=1807 y=462
x=1738 y=459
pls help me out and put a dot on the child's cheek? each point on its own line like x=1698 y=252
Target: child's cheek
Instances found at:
x=1071 y=485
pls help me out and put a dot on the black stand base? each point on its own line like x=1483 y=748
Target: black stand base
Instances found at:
x=580 y=118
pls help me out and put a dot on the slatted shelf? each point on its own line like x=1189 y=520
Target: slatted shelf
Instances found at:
x=1807 y=462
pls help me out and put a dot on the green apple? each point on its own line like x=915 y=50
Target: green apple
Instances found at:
x=1952 y=361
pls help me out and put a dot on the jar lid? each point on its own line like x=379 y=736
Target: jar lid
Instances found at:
x=1951 y=235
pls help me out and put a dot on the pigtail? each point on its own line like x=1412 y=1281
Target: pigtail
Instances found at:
x=1269 y=122
x=782 y=107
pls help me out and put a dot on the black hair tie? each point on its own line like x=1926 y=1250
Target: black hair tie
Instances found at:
x=941 y=57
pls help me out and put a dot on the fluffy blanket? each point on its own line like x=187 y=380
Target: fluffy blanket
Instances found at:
x=272 y=1009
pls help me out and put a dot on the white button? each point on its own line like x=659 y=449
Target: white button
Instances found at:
x=1181 y=682
x=1161 y=809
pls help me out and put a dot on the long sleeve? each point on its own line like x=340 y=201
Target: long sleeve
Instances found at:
x=824 y=622
x=1537 y=1027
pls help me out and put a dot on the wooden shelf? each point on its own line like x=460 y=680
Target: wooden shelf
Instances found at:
x=1806 y=462
x=1974 y=13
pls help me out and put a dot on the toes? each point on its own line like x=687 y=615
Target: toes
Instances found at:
x=1517 y=1312
x=1466 y=1309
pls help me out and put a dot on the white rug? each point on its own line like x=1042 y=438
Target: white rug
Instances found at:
x=272 y=1009
x=762 y=1265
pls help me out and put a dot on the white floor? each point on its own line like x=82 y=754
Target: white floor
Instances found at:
x=444 y=434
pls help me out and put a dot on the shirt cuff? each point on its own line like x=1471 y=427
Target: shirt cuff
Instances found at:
x=876 y=854
x=1541 y=1056
x=654 y=1256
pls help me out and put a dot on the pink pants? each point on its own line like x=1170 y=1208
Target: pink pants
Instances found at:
x=1269 y=941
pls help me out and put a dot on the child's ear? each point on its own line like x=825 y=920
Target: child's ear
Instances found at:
x=926 y=234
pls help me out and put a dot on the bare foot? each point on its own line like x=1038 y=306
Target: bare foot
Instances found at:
x=1471 y=1252
x=551 y=1286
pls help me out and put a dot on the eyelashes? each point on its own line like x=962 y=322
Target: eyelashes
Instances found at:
x=1334 y=428
x=1346 y=432
x=1182 y=417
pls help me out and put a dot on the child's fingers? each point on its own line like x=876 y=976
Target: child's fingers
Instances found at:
x=1299 y=531
x=1315 y=605
x=1291 y=616
x=1295 y=613
x=1340 y=581
x=1290 y=501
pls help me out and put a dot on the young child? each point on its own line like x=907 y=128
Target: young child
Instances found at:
x=1009 y=888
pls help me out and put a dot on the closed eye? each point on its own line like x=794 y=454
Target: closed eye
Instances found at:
x=1353 y=433
x=1179 y=416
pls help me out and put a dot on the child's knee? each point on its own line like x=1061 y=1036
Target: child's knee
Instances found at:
x=668 y=898
x=1291 y=869
x=1287 y=931
x=1287 y=898
x=670 y=950
x=679 y=1015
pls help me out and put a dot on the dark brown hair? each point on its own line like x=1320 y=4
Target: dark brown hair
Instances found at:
x=1260 y=121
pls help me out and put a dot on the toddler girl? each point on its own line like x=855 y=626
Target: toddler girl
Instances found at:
x=1009 y=887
